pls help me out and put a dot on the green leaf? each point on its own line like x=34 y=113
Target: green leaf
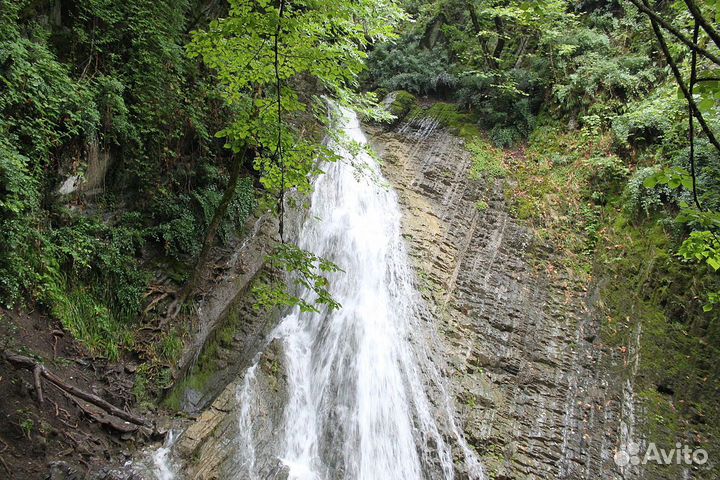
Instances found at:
x=714 y=262
x=687 y=182
x=706 y=104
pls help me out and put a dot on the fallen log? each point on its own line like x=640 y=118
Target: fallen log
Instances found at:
x=39 y=370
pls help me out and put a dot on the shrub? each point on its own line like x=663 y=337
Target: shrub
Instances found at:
x=641 y=200
x=607 y=174
x=183 y=219
x=409 y=67
x=648 y=122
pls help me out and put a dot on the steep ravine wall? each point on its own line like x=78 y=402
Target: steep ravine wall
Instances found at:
x=519 y=336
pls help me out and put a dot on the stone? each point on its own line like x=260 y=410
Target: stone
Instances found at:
x=514 y=332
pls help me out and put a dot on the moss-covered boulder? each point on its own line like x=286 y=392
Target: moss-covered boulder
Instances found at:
x=400 y=103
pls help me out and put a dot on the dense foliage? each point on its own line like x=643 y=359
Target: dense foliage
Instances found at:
x=596 y=66
x=134 y=134
x=106 y=87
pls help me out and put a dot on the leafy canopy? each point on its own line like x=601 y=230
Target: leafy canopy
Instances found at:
x=271 y=60
x=295 y=47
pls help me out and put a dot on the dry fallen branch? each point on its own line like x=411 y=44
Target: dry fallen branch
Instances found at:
x=39 y=370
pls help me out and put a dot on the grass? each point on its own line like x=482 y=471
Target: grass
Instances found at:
x=92 y=323
x=171 y=346
x=487 y=160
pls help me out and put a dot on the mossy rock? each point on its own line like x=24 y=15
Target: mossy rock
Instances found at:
x=449 y=116
x=402 y=103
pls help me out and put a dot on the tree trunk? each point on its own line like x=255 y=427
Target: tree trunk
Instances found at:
x=201 y=264
x=500 y=45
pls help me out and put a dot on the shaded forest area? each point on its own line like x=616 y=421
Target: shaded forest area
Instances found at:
x=112 y=172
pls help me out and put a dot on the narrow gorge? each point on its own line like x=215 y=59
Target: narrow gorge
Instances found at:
x=359 y=240
x=465 y=357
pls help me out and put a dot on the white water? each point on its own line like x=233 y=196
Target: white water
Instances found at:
x=162 y=463
x=359 y=377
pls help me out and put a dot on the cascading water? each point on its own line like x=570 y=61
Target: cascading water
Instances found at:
x=359 y=377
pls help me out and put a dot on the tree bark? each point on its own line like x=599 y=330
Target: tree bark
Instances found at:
x=679 y=80
x=201 y=263
x=703 y=22
x=658 y=20
x=500 y=45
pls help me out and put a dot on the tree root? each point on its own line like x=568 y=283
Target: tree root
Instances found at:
x=39 y=371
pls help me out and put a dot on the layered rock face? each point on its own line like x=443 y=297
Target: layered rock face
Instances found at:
x=518 y=335
x=209 y=448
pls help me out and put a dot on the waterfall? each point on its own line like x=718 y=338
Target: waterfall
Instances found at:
x=365 y=400
x=162 y=463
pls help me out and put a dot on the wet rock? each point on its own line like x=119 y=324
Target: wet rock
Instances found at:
x=208 y=449
x=516 y=339
x=190 y=400
x=63 y=471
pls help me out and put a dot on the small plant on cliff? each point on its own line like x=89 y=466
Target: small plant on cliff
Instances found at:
x=306 y=270
x=487 y=160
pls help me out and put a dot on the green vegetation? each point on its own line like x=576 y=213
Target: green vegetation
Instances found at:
x=583 y=98
x=207 y=367
x=403 y=102
x=165 y=143
x=104 y=80
x=487 y=160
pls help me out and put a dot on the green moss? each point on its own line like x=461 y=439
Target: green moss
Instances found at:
x=487 y=160
x=197 y=381
x=481 y=205
x=206 y=368
x=647 y=295
x=449 y=116
x=402 y=104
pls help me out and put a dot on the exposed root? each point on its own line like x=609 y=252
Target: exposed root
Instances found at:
x=39 y=371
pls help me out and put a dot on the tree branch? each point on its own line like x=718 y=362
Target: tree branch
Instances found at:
x=691 y=118
x=702 y=21
x=678 y=78
x=657 y=19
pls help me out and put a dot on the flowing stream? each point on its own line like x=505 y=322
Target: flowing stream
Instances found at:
x=365 y=400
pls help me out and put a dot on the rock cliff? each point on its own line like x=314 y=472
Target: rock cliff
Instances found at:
x=518 y=334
